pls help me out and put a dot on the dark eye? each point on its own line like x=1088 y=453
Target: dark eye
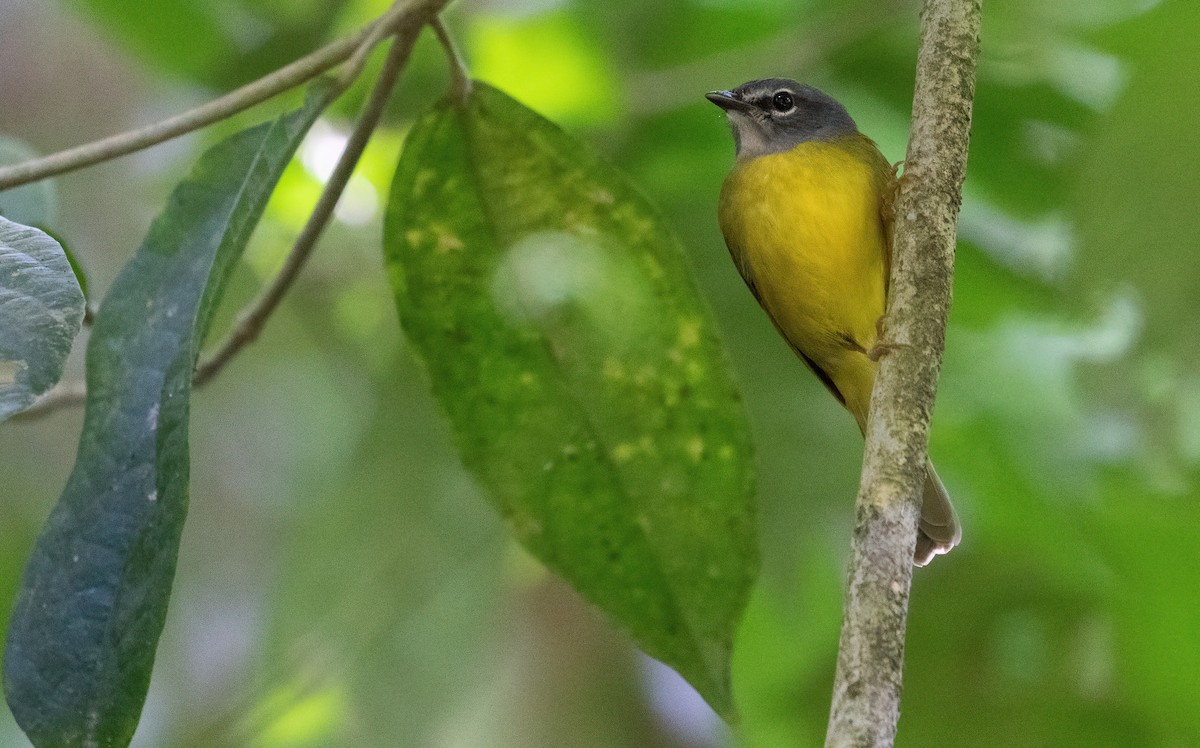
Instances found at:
x=782 y=101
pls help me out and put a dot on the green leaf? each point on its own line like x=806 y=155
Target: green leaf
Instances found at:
x=580 y=372
x=94 y=596
x=76 y=267
x=33 y=204
x=41 y=310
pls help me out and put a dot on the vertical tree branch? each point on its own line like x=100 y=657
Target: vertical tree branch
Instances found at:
x=866 y=694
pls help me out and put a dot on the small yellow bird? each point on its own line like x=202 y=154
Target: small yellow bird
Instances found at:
x=803 y=214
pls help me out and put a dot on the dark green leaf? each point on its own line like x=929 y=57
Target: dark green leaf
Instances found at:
x=41 y=310
x=94 y=597
x=33 y=204
x=581 y=373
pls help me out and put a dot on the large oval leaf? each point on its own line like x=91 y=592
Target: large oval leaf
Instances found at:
x=41 y=310
x=94 y=596
x=580 y=371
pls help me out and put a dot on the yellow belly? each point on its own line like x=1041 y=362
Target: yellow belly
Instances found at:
x=806 y=231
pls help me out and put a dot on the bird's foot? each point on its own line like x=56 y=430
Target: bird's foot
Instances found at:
x=881 y=349
x=882 y=346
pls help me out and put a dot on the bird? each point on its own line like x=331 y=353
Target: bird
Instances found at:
x=805 y=212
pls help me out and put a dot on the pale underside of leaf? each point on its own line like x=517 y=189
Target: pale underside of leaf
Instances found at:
x=41 y=310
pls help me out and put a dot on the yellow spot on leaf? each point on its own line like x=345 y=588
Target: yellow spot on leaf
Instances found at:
x=448 y=242
x=9 y=371
x=579 y=225
x=653 y=268
x=644 y=375
x=689 y=333
x=624 y=452
x=602 y=196
x=614 y=370
x=421 y=181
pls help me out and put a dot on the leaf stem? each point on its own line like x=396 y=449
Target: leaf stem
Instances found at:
x=60 y=396
x=252 y=320
x=460 y=79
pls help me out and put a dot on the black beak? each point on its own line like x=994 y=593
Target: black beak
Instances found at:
x=728 y=101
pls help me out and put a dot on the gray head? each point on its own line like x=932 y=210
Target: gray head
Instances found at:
x=777 y=114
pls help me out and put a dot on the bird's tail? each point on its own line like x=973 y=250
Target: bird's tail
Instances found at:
x=939 y=528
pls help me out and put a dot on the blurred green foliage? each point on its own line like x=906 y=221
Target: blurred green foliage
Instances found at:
x=342 y=582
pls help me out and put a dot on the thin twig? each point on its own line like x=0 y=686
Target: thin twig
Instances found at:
x=383 y=27
x=866 y=692
x=460 y=80
x=251 y=321
x=122 y=144
x=60 y=396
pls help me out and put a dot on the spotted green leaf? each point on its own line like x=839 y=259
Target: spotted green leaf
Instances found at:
x=580 y=371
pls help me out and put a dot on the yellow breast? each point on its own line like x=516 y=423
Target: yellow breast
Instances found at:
x=806 y=231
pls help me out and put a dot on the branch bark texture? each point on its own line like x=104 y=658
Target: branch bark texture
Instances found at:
x=866 y=695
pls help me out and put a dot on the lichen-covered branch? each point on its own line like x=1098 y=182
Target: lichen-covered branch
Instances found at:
x=866 y=695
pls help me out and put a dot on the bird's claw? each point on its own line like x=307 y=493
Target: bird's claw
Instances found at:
x=882 y=346
x=881 y=349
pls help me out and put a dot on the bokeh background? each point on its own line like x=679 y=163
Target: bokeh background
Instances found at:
x=343 y=582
